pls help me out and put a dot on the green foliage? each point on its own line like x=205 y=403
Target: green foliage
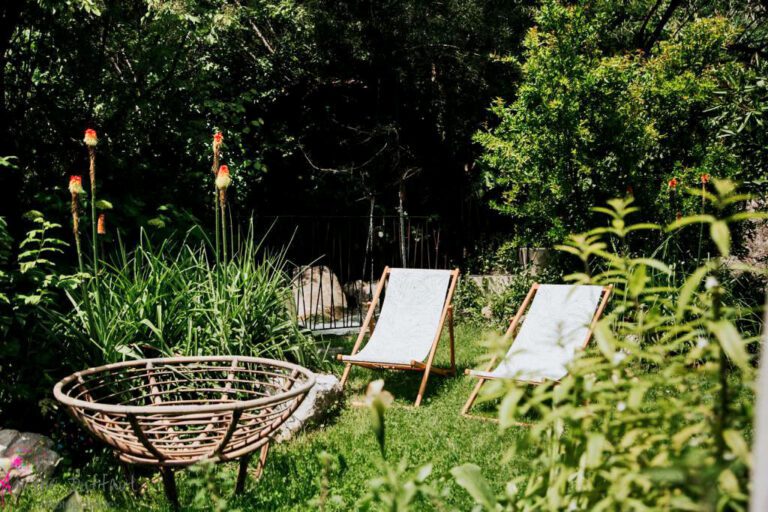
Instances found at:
x=210 y=487
x=477 y=305
x=593 y=121
x=28 y=296
x=171 y=300
x=653 y=418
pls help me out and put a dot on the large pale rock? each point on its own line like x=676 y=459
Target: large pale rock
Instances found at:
x=322 y=400
x=37 y=459
x=318 y=294
x=359 y=292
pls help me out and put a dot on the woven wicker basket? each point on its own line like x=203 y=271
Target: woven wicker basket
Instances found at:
x=173 y=412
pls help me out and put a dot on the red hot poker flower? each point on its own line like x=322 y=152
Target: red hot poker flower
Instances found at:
x=76 y=184
x=101 y=227
x=218 y=138
x=222 y=178
x=90 y=138
x=704 y=178
x=673 y=183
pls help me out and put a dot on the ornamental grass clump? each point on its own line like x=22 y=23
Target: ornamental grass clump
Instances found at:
x=654 y=416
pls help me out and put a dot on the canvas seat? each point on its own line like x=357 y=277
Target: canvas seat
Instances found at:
x=416 y=305
x=559 y=323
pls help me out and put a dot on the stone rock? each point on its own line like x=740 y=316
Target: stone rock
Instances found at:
x=756 y=243
x=321 y=402
x=492 y=284
x=487 y=312
x=535 y=258
x=318 y=294
x=359 y=292
x=37 y=459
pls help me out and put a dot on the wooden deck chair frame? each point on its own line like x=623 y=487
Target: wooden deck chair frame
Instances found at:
x=606 y=294
x=419 y=366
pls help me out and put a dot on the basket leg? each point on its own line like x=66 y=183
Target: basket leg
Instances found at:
x=169 y=483
x=132 y=477
x=262 y=461
x=242 y=474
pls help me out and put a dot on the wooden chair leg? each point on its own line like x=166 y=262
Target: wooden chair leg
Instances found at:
x=345 y=375
x=423 y=386
x=451 y=338
x=472 y=397
x=169 y=484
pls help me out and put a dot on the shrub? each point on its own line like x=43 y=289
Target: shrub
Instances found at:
x=591 y=121
x=655 y=417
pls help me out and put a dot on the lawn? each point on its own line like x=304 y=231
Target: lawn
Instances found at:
x=434 y=432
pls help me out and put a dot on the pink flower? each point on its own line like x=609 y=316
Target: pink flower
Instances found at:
x=76 y=184
x=16 y=463
x=223 y=179
x=90 y=137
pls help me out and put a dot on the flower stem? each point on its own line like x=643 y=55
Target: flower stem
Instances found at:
x=76 y=231
x=94 y=238
x=223 y=209
x=214 y=169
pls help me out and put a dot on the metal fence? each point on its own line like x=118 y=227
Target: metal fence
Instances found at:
x=340 y=259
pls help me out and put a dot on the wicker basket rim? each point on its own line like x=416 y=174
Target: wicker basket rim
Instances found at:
x=183 y=409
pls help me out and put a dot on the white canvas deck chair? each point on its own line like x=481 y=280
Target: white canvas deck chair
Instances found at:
x=560 y=322
x=415 y=307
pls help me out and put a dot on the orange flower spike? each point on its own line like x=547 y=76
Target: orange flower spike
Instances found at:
x=218 y=138
x=90 y=138
x=223 y=180
x=704 y=179
x=101 y=225
x=76 y=185
x=673 y=183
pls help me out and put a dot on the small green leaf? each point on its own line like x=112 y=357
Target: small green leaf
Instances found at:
x=596 y=444
x=731 y=342
x=722 y=237
x=103 y=204
x=689 y=287
x=738 y=445
x=729 y=483
x=469 y=477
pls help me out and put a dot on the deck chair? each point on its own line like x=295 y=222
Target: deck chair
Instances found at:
x=560 y=322
x=415 y=307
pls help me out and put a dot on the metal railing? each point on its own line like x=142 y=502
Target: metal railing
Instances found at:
x=339 y=260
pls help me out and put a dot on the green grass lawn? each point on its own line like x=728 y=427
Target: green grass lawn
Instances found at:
x=434 y=432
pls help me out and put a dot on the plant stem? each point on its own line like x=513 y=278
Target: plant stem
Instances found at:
x=722 y=406
x=214 y=170
x=223 y=208
x=76 y=231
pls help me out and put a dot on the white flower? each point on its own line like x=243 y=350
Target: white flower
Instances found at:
x=711 y=282
x=621 y=406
